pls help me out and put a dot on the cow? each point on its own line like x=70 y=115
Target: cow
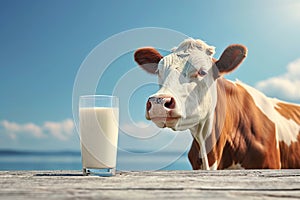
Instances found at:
x=234 y=126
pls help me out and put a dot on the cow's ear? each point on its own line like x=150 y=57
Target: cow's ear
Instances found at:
x=231 y=58
x=148 y=59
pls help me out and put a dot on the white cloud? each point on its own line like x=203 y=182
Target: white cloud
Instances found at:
x=60 y=130
x=34 y=129
x=292 y=10
x=285 y=86
x=13 y=128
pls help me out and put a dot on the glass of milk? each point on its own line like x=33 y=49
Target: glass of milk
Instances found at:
x=98 y=124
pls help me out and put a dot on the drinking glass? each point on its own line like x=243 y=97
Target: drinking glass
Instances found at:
x=98 y=125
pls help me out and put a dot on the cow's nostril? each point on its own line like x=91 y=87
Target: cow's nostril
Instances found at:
x=170 y=103
x=148 y=106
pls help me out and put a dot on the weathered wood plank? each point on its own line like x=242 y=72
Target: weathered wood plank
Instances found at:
x=246 y=184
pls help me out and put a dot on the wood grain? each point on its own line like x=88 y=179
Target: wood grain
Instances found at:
x=236 y=184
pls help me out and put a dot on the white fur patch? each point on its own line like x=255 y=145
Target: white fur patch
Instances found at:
x=286 y=130
x=235 y=166
x=214 y=166
x=191 y=44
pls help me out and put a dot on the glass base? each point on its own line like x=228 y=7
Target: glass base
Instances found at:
x=106 y=172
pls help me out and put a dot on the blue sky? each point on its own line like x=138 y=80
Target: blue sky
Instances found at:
x=43 y=44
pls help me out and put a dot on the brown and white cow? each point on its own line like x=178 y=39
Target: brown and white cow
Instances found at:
x=233 y=124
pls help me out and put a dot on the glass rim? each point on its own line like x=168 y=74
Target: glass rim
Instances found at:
x=91 y=96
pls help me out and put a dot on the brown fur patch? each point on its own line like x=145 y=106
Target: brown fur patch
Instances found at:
x=231 y=58
x=289 y=111
x=148 y=58
x=193 y=155
x=290 y=155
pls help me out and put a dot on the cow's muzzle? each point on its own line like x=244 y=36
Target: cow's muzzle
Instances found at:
x=162 y=110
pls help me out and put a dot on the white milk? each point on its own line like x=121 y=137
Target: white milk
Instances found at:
x=99 y=137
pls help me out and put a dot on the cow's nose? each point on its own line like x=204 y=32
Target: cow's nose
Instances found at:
x=168 y=103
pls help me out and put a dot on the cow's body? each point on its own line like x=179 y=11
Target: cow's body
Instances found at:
x=233 y=125
x=258 y=132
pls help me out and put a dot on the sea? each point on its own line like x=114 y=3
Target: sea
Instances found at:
x=71 y=160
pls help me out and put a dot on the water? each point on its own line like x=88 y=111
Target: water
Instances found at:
x=71 y=160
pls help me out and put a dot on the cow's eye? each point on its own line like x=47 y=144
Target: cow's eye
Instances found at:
x=202 y=72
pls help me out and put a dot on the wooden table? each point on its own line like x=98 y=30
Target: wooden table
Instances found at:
x=253 y=184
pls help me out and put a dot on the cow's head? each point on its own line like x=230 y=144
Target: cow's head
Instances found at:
x=187 y=79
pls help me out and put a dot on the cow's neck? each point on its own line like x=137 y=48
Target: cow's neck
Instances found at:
x=202 y=132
